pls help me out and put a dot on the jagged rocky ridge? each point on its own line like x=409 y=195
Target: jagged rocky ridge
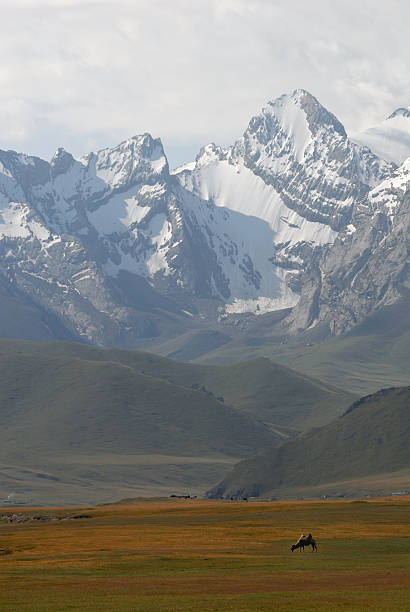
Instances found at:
x=368 y=267
x=110 y=246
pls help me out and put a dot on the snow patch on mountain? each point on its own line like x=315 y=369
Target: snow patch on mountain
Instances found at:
x=16 y=221
x=13 y=221
x=388 y=194
x=147 y=255
x=244 y=248
x=119 y=213
x=262 y=305
x=236 y=187
x=182 y=167
x=292 y=121
x=160 y=233
x=390 y=140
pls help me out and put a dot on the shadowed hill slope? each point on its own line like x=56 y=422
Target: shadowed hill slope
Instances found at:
x=372 y=437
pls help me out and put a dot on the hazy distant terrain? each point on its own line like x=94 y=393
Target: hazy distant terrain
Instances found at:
x=369 y=358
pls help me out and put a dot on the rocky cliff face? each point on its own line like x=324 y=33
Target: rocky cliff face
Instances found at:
x=367 y=268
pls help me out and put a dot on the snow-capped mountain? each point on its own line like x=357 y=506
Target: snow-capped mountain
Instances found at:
x=390 y=139
x=296 y=170
x=73 y=229
x=52 y=252
x=114 y=246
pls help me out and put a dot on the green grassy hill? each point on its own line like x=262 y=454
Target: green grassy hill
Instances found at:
x=68 y=405
x=76 y=431
x=371 y=438
x=264 y=390
x=82 y=424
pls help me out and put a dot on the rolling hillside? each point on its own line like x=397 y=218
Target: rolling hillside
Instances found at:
x=68 y=405
x=371 y=438
x=87 y=431
x=82 y=424
x=260 y=388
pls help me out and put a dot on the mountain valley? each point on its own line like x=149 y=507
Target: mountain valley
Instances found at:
x=278 y=267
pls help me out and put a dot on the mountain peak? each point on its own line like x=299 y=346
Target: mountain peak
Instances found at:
x=295 y=97
x=293 y=121
x=61 y=161
x=209 y=153
x=400 y=112
x=139 y=146
x=302 y=95
x=317 y=116
x=139 y=158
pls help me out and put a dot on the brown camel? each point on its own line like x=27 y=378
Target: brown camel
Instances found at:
x=304 y=541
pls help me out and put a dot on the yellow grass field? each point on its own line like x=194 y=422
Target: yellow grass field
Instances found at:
x=207 y=555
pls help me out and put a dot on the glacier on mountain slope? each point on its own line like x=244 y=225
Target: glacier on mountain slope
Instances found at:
x=16 y=222
x=239 y=189
x=244 y=249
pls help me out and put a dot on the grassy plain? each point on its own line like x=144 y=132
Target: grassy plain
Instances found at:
x=172 y=555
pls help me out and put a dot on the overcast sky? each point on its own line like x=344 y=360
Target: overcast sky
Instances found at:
x=85 y=74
